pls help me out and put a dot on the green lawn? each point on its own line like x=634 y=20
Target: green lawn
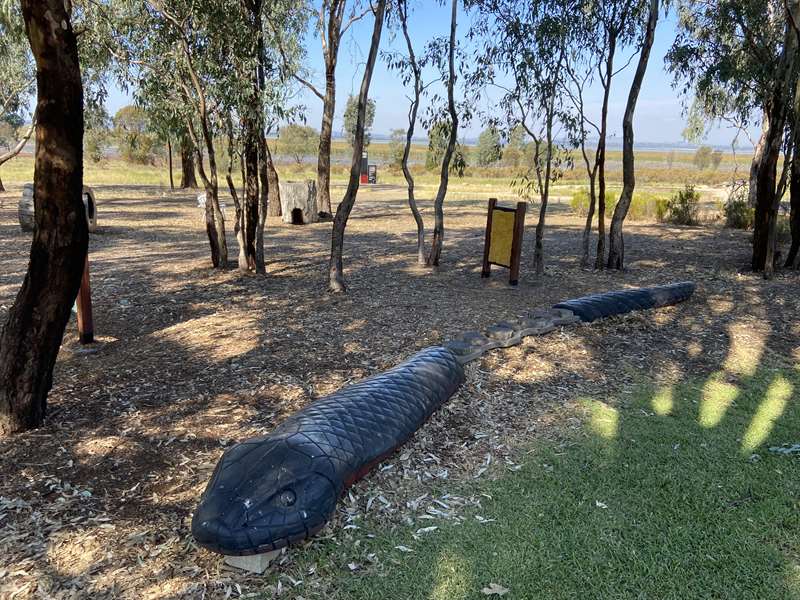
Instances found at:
x=666 y=493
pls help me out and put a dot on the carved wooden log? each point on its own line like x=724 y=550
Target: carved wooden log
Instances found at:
x=26 y=208
x=299 y=202
x=26 y=219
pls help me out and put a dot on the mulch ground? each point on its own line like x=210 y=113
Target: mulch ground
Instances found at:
x=97 y=503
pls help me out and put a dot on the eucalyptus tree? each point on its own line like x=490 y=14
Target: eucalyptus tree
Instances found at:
x=189 y=41
x=526 y=51
x=332 y=19
x=33 y=330
x=736 y=59
x=336 y=268
x=17 y=85
x=601 y=31
x=438 y=49
x=411 y=67
x=616 y=240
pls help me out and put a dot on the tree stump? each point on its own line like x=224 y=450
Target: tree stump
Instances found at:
x=27 y=218
x=299 y=202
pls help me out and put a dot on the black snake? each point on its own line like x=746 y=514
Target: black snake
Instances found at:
x=281 y=488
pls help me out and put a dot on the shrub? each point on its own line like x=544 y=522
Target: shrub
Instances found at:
x=683 y=207
x=738 y=212
x=662 y=207
x=580 y=202
x=644 y=205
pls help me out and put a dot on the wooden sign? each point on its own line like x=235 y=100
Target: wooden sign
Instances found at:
x=503 y=243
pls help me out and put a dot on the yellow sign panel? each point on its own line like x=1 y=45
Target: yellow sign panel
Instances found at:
x=502 y=237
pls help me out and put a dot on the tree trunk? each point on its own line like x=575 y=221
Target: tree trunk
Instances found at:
x=32 y=334
x=336 y=268
x=325 y=134
x=238 y=230
x=600 y=159
x=250 y=202
x=169 y=164
x=215 y=223
x=767 y=200
x=616 y=246
x=274 y=205
x=757 y=156
x=261 y=153
x=538 y=250
x=412 y=120
x=792 y=261
x=438 y=204
x=188 y=178
x=587 y=228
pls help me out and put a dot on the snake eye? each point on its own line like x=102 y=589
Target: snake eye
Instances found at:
x=287 y=498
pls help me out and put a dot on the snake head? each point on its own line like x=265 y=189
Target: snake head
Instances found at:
x=265 y=493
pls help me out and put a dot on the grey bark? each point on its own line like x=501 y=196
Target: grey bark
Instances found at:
x=438 y=204
x=616 y=249
x=336 y=269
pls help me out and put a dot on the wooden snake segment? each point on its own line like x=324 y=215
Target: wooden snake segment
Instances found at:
x=282 y=488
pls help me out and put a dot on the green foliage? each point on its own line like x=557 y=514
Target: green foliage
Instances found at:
x=737 y=210
x=137 y=142
x=7 y=134
x=702 y=157
x=96 y=133
x=645 y=206
x=489 y=150
x=516 y=150
x=397 y=145
x=683 y=208
x=17 y=74
x=298 y=141
x=350 y=116
x=438 y=136
x=716 y=159
x=728 y=73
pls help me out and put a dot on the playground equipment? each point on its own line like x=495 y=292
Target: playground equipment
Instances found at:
x=299 y=202
x=281 y=488
x=26 y=208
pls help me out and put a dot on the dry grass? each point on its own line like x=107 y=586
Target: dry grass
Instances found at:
x=97 y=502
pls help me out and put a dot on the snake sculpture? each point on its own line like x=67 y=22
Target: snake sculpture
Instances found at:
x=282 y=488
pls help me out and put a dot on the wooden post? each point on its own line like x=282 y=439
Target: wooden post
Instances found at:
x=516 y=249
x=84 y=306
x=486 y=271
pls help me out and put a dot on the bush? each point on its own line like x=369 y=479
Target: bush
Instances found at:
x=683 y=207
x=644 y=205
x=662 y=208
x=580 y=202
x=738 y=212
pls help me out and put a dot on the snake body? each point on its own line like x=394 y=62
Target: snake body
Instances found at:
x=282 y=488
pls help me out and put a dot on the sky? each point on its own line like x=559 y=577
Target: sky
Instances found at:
x=659 y=117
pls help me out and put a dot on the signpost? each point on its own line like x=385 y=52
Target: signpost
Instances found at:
x=84 y=307
x=503 y=242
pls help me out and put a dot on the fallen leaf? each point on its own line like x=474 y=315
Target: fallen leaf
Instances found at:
x=495 y=589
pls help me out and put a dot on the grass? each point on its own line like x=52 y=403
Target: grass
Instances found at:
x=653 y=169
x=669 y=492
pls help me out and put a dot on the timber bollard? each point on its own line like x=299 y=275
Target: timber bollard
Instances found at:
x=84 y=307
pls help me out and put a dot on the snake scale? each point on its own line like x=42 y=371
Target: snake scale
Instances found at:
x=282 y=488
